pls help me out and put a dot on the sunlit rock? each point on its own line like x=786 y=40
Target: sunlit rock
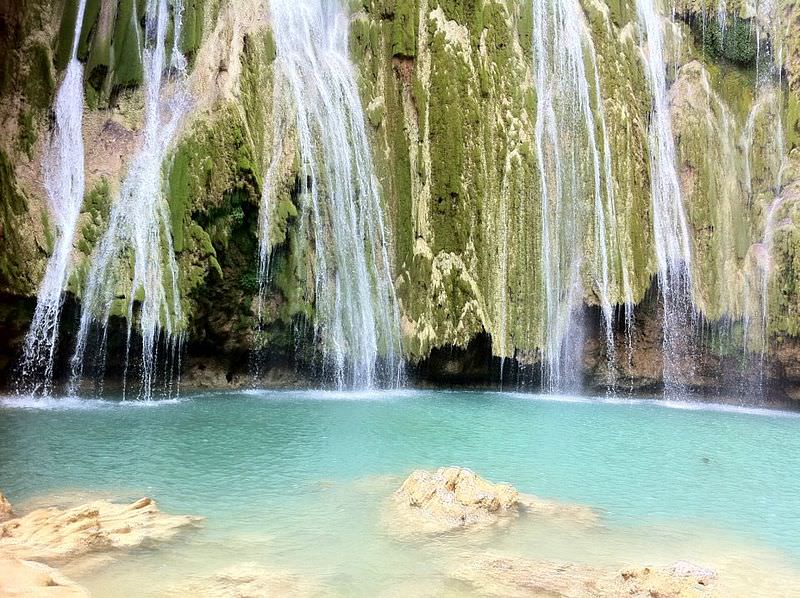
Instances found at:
x=53 y=534
x=508 y=576
x=6 y=512
x=28 y=578
x=453 y=497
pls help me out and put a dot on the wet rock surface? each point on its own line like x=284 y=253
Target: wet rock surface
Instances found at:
x=59 y=535
x=452 y=498
x=6 y=512
x=500 y=575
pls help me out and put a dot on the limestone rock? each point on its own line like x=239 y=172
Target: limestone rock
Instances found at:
x=495 y=575
x=6 y=512
x=453 y=497
x=28 y=578
x=247 y=580
x=53 y=534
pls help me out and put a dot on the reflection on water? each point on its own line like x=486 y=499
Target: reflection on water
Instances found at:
x=298 y=482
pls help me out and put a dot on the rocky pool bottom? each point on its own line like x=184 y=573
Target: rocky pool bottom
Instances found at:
x=297 y=494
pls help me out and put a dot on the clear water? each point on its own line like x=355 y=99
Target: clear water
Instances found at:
x=298 y=481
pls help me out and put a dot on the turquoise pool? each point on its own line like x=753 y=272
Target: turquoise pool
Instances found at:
x=299 y=480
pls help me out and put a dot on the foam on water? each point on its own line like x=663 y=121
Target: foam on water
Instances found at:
x=74 y=403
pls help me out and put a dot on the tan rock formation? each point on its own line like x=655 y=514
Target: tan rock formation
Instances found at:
x=57 y=535
x=495 y=575
x=453 y=497
x=31 y=579
x=6 y=512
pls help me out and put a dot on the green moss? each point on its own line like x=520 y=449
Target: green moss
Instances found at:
x=26 y=136
x=179 y=189
x=404 y=29
x=126 y=47
x=66 y=34
x=736 y=43
x=792 y=121
x=88 y=28
x=99 y=62
x=49 y=237
x=449 y=75
x=622 y=11
x=19 y=255
x=192 y=23
x=40 y=83
x=13 y=202
x=97 y=205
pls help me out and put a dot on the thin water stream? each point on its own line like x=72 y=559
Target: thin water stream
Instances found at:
x=357 y=316
x=64 y=184
x=134 y=272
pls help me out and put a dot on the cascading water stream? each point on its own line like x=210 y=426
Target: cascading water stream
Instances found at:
x=64 y=184
x=769 y=68
x=670 y=226
x=571 y=168
x=135 y=259
x=357 y=316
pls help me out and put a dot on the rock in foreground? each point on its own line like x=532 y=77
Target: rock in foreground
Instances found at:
x=56 y=535
x=6 y=512
x=518 y=577
x=27 y=578
x=453 y=497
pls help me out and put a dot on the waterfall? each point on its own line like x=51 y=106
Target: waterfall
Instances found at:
x=64 y=184
x=135 y=259
x=357 y=316
x=670 y=226
x=769 y=84
x=571 y=168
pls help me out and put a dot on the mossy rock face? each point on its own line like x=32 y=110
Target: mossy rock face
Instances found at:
x=126 y=46
x=734 y=40
x=447 y=92
x=715 y=194
x=194 y=15
x=20 y=258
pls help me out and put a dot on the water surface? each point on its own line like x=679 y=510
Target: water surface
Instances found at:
x=298 y=481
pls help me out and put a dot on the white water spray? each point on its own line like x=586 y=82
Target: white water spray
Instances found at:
x=769 y=85
x=64 y=184
x=135 y=258
x=571 y=168
x=357 y=317
x=670 y=226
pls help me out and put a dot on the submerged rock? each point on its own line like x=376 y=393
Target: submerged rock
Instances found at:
x=6 y=512
x=453 y=497
x=28 y=578
x=496 y=575
x=53 y=534
x=247 y=580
